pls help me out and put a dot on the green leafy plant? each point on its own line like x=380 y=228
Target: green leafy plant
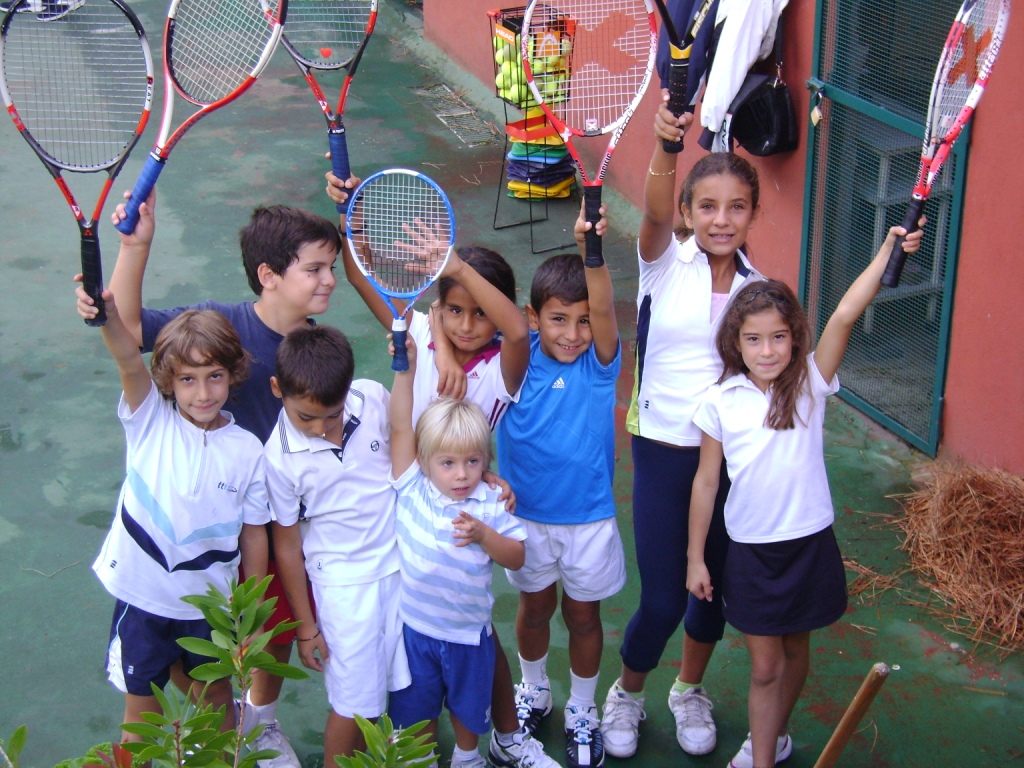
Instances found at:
x=188 y=735
x=10 y=750
x=387 y=747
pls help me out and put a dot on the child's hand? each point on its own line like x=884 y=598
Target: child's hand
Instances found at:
x=451 y=379
x=340 y=189
x=429 y=247
x=312 y=650
x=410 y=350
x=911 y=242
x=583 y=226
x=698 y=581
x=469 y=530
x=494 y=482
x=145 y=228
x=668 y=126
x=87 y=307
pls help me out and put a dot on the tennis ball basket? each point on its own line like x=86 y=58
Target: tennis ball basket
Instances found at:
x=550 y=56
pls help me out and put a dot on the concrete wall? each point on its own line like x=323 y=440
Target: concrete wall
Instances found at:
x=983 y=419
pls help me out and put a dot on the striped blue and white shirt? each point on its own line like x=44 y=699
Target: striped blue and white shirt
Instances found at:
x=446 y=590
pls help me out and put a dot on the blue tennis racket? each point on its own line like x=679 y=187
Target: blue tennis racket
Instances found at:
x=401 y=230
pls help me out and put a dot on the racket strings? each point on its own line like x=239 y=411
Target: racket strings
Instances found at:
x=610 y=60
x=327 y=34
x=80 y=84
x=409 y=229
x=969 y=60
x=214 y=46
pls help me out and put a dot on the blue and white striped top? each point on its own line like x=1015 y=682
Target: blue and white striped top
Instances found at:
x=446 y=590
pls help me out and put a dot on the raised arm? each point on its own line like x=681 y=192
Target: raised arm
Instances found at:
x=702 y=505
x=601 y=296
x=509 y=319
x=403 y=438
x=659 y=212
x=135 y=379
x=834 y=339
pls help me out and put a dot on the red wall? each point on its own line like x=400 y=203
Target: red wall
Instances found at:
x=983 y=420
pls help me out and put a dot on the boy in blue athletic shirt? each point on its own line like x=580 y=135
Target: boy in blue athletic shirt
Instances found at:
x=556 y=447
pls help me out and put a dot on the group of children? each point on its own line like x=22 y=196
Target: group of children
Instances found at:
x=384 y=517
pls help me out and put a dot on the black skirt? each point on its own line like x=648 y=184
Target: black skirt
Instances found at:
x=784 y=587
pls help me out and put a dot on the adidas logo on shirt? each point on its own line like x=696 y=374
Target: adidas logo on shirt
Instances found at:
x=559 y=384
x=473 y=375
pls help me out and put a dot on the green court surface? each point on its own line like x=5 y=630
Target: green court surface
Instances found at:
x=946 y=702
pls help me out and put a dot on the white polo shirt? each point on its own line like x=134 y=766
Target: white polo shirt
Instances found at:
x=485 y=385
x=187 y=493
x=340 y=497
x=779 y=487
x=676 y=357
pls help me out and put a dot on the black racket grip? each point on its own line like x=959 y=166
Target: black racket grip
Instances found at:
x=898 y=257
x=92 y=277
x=592 y=212
x=400 y=362
x=678 y=78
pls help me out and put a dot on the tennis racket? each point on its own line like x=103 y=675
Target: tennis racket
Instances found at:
x=605 y=53
x=964 y=67
x=679 y=64
x=401 y=230
x=325 y=35
x=79 y=92
x=213 y=52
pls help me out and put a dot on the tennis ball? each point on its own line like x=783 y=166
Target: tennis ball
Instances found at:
x=502 y=55
x=554 y=63
x=566 y=46
x=507 y=68
x=325 y=52
x=515 y=93
x=499 y=82
x=538 y=66
x=498 y=43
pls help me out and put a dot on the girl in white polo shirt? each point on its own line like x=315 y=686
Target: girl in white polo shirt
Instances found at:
x=784 y=575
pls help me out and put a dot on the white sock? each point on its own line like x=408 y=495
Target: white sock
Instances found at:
x=583 y=691
x=534 y=672
x=250 y=718
x=265 y=713
x=465 y=755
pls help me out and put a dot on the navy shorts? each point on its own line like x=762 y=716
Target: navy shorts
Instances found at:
x=143 y=647
x=784 y=587
x=453 y=674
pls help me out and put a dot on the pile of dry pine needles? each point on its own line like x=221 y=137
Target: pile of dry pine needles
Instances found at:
x=965 y=532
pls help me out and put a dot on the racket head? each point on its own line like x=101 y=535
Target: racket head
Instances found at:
x=607 y=53
x=80 y=88
x=328 y=34
x=215 y=49
x=670 y=28
x=390 y=215
x=968 y=56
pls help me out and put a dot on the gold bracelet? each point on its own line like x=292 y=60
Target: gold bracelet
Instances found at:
x=666 y=173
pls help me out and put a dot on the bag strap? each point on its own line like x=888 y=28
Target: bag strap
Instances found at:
x=778 y=46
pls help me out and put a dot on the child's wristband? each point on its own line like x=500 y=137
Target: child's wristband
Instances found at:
x=307 y=639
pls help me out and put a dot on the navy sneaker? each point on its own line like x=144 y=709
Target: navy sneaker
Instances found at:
x=32 y=6
x=533 y=704
x=584 y=743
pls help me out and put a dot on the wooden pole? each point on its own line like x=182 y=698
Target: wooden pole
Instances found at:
x=852 y=717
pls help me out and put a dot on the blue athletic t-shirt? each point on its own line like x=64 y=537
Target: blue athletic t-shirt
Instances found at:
x=556 y=444
x=252 y=404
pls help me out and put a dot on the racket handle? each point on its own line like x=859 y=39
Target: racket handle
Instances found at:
x=592 y=212
x=147 y=180
x=898 y=257
x=678 y=78
x=400 y=362
x=92 y=277
x=339 y=163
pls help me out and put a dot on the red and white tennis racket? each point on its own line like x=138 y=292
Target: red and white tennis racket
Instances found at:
x=326 y=35
x=588 y=64
x=213 y=52
x=79 y=90
x=964 y=67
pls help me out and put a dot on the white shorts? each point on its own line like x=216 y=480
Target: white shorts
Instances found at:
x=587 y=558
x=364 y=639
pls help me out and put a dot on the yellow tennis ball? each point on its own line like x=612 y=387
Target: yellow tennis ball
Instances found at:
x=502 y=54
x=515 y=93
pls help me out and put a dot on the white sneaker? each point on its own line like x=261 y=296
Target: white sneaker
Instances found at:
x=476 y=762
x=695 y=728
x=524 y=752
x=53 y=10
x=745 y=757
x=273 y=738
x=620 y=725
x=533 y=704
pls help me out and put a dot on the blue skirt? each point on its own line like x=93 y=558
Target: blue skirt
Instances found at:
x=784 y=587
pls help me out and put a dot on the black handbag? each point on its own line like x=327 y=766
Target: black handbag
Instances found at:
x=763 y=120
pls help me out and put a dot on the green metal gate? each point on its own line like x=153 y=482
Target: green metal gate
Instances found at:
x=872 y=77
